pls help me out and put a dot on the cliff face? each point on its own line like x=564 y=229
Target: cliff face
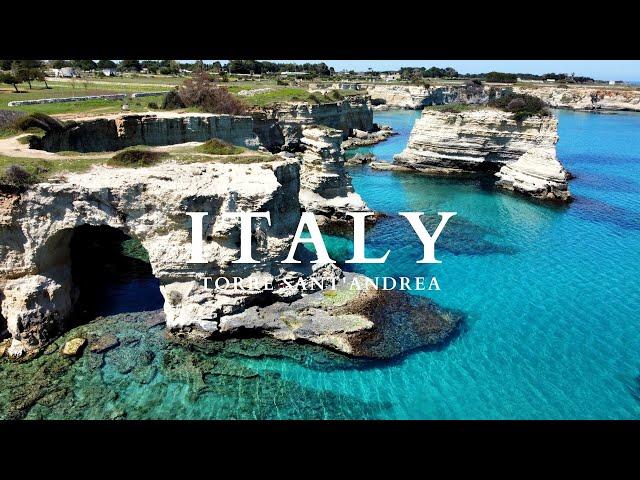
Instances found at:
x=118 y=132
x=489 y=140
x=586 y=98
x=325 y=184
x=345 y=115
x=574 y=98
x=416 y=97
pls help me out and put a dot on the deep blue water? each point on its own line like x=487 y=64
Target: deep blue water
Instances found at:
x=551 y=295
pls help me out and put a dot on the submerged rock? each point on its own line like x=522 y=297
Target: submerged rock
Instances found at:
x=362 y=323
x=74 y=347
x=360 y=159
x=104 y=343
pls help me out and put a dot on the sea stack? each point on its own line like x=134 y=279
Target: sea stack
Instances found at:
x=521 y=153
x=325 y=185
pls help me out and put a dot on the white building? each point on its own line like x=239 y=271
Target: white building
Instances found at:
x=390 y=77
x=64 y=72
x=109 y=72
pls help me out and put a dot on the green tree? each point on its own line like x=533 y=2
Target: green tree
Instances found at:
x=28 y=71
x=130 y=66
x=10 y=79
x=102 y=64
x=59 y=63
x=84 y=64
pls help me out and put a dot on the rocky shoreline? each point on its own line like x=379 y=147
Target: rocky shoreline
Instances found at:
x=583 y=98
x=39 y=224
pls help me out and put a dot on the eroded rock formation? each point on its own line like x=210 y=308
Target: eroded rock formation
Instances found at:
x=325 y=185
x=487 y=140
x=37 y=287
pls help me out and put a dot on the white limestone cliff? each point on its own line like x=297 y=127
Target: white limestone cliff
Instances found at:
x=538 y=174
x=486 y=140
x=325 y=185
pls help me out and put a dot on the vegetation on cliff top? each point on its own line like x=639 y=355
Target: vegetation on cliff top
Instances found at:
x=521 y=105
x=219 y=147
x=136 y=157
x=41 y=169
x=202 y=93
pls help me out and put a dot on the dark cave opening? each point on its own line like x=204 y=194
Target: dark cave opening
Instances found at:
x=4 y=333
x=112 y=273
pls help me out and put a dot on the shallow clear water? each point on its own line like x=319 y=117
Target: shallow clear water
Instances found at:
x=550 y=298
x=551 y=295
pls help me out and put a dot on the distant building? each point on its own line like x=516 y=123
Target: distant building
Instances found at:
x=295 y=74
x=390 y=77
x=615 y=82
x=551 y=80
x=64 y=72
x=109 y=72
x=348 y=86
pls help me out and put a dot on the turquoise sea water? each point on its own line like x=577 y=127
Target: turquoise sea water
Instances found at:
x=550 y=297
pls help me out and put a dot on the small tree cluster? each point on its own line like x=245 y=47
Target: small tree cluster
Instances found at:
x=201 y=92
x=500 y=77
x=521 y=105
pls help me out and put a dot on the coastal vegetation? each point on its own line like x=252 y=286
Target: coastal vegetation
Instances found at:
x=40 y=169
x=202 y=93
x=219 y=147
x=521 y=105
x=136 y=157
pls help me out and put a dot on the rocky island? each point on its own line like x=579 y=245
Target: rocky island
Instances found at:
x=489 y=141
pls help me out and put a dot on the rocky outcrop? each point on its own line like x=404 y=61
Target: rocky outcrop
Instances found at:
x=538 y=174
x=570 y=97
x=113 y=133
x=586 y=98
x=416 y=97
x=325 y=185
x=37 y=287
x=38 y=293
x=345 y=115
x=362 y=323
x=485 y=140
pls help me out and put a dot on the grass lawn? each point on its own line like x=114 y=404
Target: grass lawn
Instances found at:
x=290 y=94
x=79 y=88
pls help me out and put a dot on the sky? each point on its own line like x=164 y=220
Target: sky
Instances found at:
x=627 y=70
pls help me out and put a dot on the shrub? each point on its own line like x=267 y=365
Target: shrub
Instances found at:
x=152 y=105
x=136 y=158
x=521 y=105
x=281 y=82
x=200 y=92
x=172 y=100
x=17 y=176
x=219 y=147
x=314 y=97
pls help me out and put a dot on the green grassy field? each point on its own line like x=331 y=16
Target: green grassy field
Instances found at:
x=81 y=88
